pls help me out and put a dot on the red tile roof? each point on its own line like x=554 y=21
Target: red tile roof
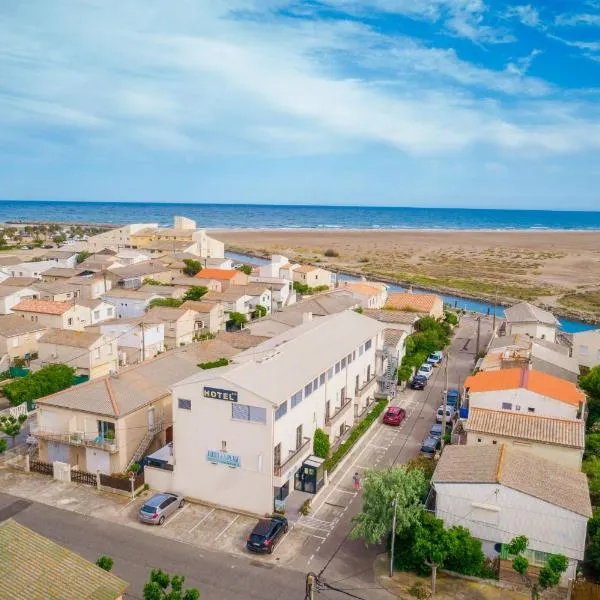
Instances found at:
x=418 y=302
x=219 y=274
x=46 y=307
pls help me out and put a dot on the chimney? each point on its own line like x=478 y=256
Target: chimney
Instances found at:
x=306 y=317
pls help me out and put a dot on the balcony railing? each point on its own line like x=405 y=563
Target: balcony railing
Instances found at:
x=365 y=385
x=89 y=440
x=278 y=470
x=338 y=411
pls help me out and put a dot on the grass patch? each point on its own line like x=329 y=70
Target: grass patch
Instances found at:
x=585 y=301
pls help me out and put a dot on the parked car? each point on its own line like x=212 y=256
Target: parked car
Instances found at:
x=435 y=358
x=418 y=382
x=394 y=415
x=430 y=446
x=47 y=246
x=266 y=533
x=159 y=507
x=25 y=248
x=425 y=370
x=449 y=413
x=436 y=430
x=453 y=397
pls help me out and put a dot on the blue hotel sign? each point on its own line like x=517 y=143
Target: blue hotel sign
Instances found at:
x=217 y=394
x=223 y=458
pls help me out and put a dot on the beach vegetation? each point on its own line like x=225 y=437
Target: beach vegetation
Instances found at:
x=191 y=267
x=584 y=301
x=330 y=253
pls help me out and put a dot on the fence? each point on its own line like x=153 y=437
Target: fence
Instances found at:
x=83 y=477
x=585 y=590
x=41 y=467
x=121 y=483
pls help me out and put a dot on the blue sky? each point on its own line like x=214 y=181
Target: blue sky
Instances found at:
x=475 y=103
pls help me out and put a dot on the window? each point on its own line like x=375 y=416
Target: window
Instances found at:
x=506 y=406
x=494 y=442
x=15 y=341
x=357 y=385
x=245 y=412
x=583 y=350
x=281 y=410
x=368 y=345
x=329 y=373
x=105 y=427
x=315 y=383
x=109 y=312
x=354 y=355
x=184 y=404
x=96 y=314
x=277 y=455
x=360 y=350
x=337 y=368
x=349 y=357
x=308 y=389
x=343 y=363
x=518 y=407
x=297 y=398
x=224 y=446
x=479 y=440
x=530 y=409
x=97 y=352
x=369 y=373
x=70 y=321
x=299 y=438
x=321 y=379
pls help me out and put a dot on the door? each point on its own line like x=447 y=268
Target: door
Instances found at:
x=58 y=452
x=298 y=437
x=97 y=460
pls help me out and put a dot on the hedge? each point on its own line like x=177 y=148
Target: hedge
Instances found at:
x=215 y=364
x=46 y=381
x=343 y=449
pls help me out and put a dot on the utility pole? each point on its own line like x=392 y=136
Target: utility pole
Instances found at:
x=494 y=321
x=395 y=505
x=143 y=341
x=444 y=424
x=478 y=337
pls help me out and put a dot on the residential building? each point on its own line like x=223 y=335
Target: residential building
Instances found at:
x=260 y=295
x=91 y=287
x=226 y=277
x=133 y=276
x=117 y=238
x=165 y=291
x=233 y=299
x=64 y=258
x=430 y=304
x=137 y=340
x=130 y=257
x=51 y=570
x=396 y=319
x=90 y=353
x=10 y=296
x=58 y=291
x=20 y=282
x=182 y=325
x=282 y=292
x=527 y=391
x=272 y=269
x=254 y=420
x=313 y=277
x=499 y=492
x=559 y=440
x=57 y=273
x=30 y=269
x=58 y=315
x=211 y=314
x=371 y=294
x=129 y=303
x=212 y=285
x=100 y=310
x=394 y=342
x=19 y=337
x=532 y=321
x=586 y=347
x=217 y=263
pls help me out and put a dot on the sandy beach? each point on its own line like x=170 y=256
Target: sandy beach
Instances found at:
x=554 y=268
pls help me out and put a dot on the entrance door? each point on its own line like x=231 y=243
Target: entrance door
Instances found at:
x=97 y=460
x=58 y=452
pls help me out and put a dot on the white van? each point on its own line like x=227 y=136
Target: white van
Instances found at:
x=449 y=414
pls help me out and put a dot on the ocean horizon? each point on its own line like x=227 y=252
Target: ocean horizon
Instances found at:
x=267 y=216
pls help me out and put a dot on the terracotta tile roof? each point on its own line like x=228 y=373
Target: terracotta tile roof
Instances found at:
x=418 y=302
x=516 y=469
x=306 y=269
x=529 y=379
x=561 y=432
x=218 y=274
x=46 y=307
x=365 y=288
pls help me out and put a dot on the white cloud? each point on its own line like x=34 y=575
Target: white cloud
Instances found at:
x=525 y=13
x=577 y=19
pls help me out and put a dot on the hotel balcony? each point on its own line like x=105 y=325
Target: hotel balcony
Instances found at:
x=89 y=440
x=338 y=414
x=293 y=460
x=365 y=387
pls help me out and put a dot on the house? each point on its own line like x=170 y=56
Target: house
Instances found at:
x=109 y=422
x=58 y=291
x=157 y=247
x=58 y=315
x=130 y=257
x=586 y=347
x=165 y=291
x=20 y=282
x=499 y=492
x=430 y=304
x=51 y=570
x=18 y=336
x=313 y=277
x=282 y=292
x=559 y=440
x=10 y=296
x=233 y=299
x=57 y=273
x=64 y=258
x=218 y=263
x=211 y=314
x=272 y=269
x=527 y=391
x=182 y=325
x=394 y=342
x=532 y=321
x=129 y=303
x=117 y=238
x=371 y=294
x=137 y=340
x=226 y=277
x=133 y=276
x=396 y=319
x=100 y=310
x=91 y=287
x=260 y=295
x=243 y=433
x=90 y=353
x=212 y=285
x=30 y=269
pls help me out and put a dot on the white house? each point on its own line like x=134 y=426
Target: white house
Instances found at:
x=67 y=259
x=525 y=390
x=243 y=432
x=499 y=492
x=100 y=310
x=531 y=320
x=371 y=294
x=117 y=238
x=11 y=296
x=395 y=319
x=137 y=341
x=272 y=269
x=129 y=303
x=281 y=289
x=233 y=299
x=29 y=269
x=586 y=347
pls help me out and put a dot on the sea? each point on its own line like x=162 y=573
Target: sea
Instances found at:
x=251 y=216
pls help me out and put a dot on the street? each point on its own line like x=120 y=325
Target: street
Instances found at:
x=211 y=553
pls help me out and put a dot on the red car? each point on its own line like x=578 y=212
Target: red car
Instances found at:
x=394 y=415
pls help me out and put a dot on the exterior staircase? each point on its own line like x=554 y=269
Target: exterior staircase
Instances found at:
x=145 y=443
x=390 y=378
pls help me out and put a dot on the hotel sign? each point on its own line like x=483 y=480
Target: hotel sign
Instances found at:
x=223 y=458
x=217 y=394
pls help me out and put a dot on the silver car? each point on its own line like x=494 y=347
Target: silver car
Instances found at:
x=159 y=507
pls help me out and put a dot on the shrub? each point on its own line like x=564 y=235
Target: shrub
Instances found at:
x=221 y=362
x=237 y=320
x=171 y=302
x=192 y=267
x=135 y=468
x=451 y=318
x=196 y=292
x=259 y=311
x=331 y=253
x=47 y=380
x=305 y=508
x=105 y=562
x=3 y=445
x=321 y=444
x=404 y=373
x=245 y=269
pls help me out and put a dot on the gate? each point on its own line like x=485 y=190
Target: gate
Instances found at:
x=83 y=477
x=41 y=467
x=585 y=590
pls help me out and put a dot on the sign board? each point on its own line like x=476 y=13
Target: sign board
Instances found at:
x=218 y=394
x=223 y=458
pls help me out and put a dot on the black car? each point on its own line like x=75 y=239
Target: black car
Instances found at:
x=418 y=382
x=430 y=446
x=266 y=533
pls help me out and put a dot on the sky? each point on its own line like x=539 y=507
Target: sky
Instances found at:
x=465 y=103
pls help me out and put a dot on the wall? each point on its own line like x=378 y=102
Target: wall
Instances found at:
x=586 y=347
x=116 y=238
x=158 y=479
x=128 y=308
x=103 y=312
x=31 y=269
x=26 y=342
x=536 y=330
x=130 y=336
x=7 y=302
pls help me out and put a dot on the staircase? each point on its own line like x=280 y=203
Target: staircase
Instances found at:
x=145 y=443
x=390 y=378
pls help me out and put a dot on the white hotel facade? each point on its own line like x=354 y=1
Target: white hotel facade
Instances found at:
x=242 y=432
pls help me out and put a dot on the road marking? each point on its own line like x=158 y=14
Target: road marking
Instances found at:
x=178 y=513
x=377 y=447
x=228 y=526
x=346 y=492
x=311 y=527
x=212 y=510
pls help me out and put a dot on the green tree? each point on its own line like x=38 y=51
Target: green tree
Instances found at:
x=3 y=445
x=11 y=426
x=591 y=467
x=381 y=488
x=172 y=302
x=105 y=562
x=590 y=383
x=236 y=320
x=592 y=444
x=404 y=373
x=150 y=281
x=192 y=267
x=195 y=293
x=158 y=586
x=48 y=380
x=321 y=444
x=431 y=545
x=81 y=256
x=259 y=311
x=549 y=574
x=592 y=552
x=465 y=554
x=245 y=269
x=451 y=318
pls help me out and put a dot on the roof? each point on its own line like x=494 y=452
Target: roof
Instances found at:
x=69 y=337
x=166 y=291
x=306 y=269
x=528 y=313
x=547 y=430
x=417 y=302
x=54 y=287
x=255 y=288
x=129 y=293
x=165 y=313
x=140 y=385
x=62 y=272
x=541 y=353
x=231 y=294
x=46 y=307
x=366 y=288
x=218 y=274
x=169 y=245
x=530 y=379
x=20 y=281
x=516 y=469
x=199 y=307
x=11 y=325
x=241 y=339
x=9 y=290
x=50 y=570
x=391 y=337
x=393 y=316
x=140 y=269
x=85 y=279
x=60 y=254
